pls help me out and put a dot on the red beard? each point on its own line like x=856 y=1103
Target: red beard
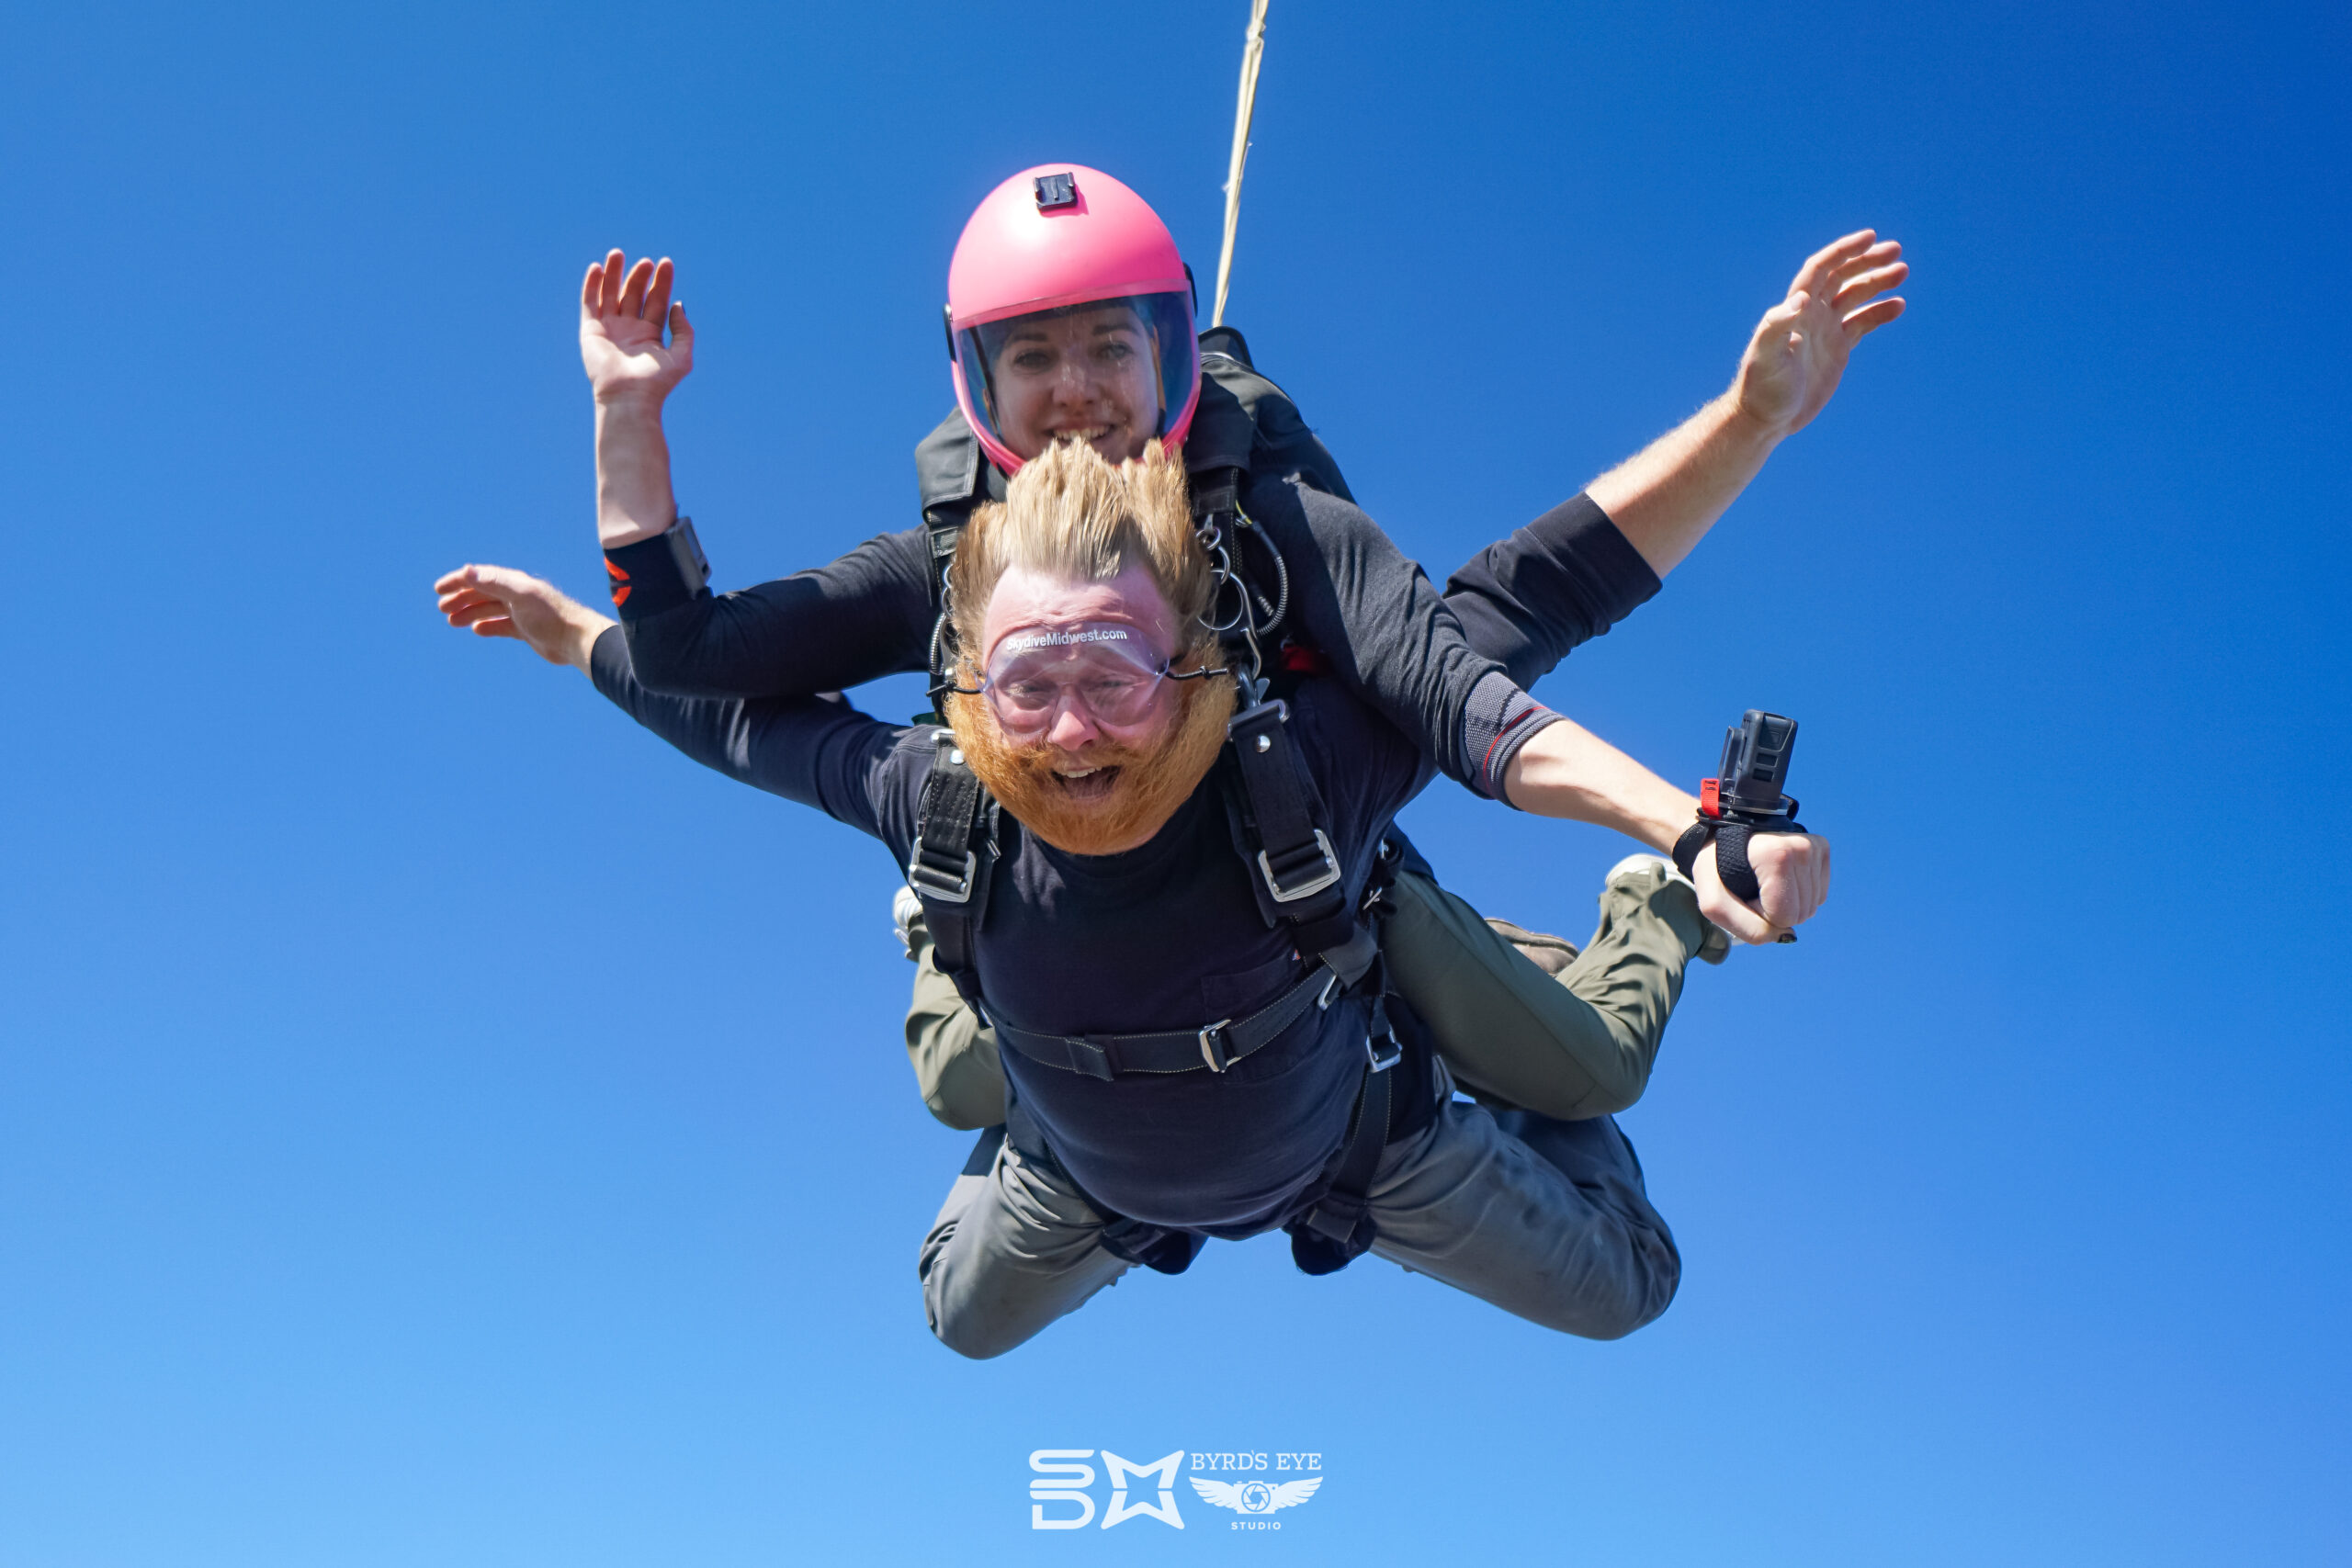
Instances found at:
x=1107 y=812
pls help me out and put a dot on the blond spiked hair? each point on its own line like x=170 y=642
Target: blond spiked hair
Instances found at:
x=1068 y=513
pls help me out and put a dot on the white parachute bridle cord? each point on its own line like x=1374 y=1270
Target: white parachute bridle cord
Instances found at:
x=1253 y=49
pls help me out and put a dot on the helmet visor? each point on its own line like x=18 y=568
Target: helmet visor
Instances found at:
x=1109 y=370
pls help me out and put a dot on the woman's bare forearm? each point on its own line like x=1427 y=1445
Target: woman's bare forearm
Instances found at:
x=1666 y=497
x=1565 y=771
x=633 y=496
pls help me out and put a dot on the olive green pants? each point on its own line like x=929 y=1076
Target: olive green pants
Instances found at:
x=1576 y=1044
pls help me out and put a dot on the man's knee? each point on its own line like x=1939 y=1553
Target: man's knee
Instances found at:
x=980 y=1311
x=1621 y=1272
x=1630 y=1290
x=971 y=1334
x=949 y=1293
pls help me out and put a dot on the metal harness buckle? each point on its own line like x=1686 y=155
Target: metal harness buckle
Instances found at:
x=1382 y=1064
x=1213 y=1049
x=1315 y=883
x=927 y=879
x=1330 y=985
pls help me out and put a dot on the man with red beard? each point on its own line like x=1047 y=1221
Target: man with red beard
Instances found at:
x=1177 y=1069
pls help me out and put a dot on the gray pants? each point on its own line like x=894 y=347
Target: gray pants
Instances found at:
x=1555 y=1228
x=1578 y=1044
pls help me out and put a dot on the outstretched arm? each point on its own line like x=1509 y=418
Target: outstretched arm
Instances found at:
x=497 y=601
x=1565 y=771
x=822 y=753
x=1528 y=599
x=864 y=617
x=632 y=371
x=1666 y=497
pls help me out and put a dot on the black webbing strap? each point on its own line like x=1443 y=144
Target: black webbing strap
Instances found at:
x=1293 y=858
x=954 y=851
x=951 y=477
x=1212 y=1048
x=1335 y=1232
x=1730 y=834
x=941 y=527
x=1216 y=494
x=1731 y=863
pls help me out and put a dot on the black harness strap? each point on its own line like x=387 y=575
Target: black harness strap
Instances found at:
x=1214 y=1046
x=953 y=863
x=1296 y=872
x=1342 y=1213
x=952 y=477
x=1338 y=1229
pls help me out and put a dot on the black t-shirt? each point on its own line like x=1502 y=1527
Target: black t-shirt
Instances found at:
x=1165 y=937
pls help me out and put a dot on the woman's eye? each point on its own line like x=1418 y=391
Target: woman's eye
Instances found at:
x=1118 y=353
x=1033 y=361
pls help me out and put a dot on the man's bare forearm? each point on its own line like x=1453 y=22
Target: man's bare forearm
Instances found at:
x=1565 y=771
x=633 y=496
x=1666 y=497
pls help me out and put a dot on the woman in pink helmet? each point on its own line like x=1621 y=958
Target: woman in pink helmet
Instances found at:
x=1069 y=317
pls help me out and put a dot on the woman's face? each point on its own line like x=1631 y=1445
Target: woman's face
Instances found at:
x=1090 y=375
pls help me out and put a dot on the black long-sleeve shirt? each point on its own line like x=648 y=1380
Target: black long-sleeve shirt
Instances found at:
x=1441 y=669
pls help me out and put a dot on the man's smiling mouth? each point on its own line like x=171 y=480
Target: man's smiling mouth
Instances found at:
x=1087 y=784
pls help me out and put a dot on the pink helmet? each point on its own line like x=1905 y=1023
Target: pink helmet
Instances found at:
x=1041 y=248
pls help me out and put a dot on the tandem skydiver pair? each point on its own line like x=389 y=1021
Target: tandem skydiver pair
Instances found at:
x=1072 y=344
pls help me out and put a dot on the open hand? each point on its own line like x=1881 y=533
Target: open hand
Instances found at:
x=497 y=601
x=1798 y=354
x=621 y=318
x=1792 y=873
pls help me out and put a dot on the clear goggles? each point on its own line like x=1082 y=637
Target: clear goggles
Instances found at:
x=1104 y=668
x=1137 y=349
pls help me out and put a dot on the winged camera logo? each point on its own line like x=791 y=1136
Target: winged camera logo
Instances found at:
x=1256 y=1496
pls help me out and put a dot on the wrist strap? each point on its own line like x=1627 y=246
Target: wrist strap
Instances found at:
x=1686 y=848
x=1730 y=836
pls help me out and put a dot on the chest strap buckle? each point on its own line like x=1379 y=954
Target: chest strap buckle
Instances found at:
x=1315 y=880
x=1213 y=1050
x=940 y=883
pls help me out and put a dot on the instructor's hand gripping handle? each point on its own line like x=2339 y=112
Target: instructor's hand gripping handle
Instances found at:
x=1747 y=797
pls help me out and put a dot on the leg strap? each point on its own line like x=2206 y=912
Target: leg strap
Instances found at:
x=1337 y=1230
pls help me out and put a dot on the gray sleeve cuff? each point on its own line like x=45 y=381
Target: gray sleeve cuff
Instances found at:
x=1497 y=721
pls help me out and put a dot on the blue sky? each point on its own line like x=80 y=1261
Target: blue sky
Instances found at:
x=439 y=1125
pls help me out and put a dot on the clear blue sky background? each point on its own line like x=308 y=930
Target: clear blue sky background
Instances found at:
x=438 y=1125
